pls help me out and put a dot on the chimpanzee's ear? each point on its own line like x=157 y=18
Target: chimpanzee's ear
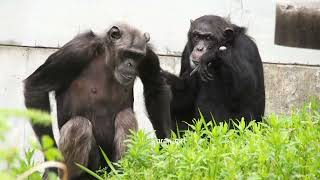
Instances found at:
x=191 y=21
x=228 y=34
x=146 y=36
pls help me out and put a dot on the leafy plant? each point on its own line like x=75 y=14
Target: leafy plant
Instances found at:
x=281 y=147
x=14 y=163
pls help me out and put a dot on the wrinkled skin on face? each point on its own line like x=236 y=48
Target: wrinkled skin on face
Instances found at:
x=208 y=36
x=130 y=47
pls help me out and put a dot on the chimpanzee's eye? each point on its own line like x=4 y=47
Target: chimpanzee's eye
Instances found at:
x=196 y=37
x=210 y=38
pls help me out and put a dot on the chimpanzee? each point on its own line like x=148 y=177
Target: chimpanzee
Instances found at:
x=93 y=77
x=221 y=75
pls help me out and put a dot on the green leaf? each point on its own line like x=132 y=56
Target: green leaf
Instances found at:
x=89 y=171
x=53 y=154
x=35 y=176
x=52 y=176
x=46 y=142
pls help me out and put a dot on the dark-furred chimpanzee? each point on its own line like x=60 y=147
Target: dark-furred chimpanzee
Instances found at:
x=93 y=77
x=221 y=75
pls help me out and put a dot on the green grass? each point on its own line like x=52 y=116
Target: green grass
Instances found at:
x=14 y=161
x=282 y=147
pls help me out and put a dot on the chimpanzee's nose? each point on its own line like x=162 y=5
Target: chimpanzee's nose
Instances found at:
x=199 y=48
x=130 y=64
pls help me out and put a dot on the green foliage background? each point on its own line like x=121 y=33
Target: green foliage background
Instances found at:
x=15 y=162
x=281 y=147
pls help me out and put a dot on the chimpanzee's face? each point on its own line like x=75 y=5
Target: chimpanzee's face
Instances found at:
x=202 y=41
x=129 y=48
x=207 y=33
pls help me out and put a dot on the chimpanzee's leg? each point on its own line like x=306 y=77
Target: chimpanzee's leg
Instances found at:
x=77 y=144
x=125 y=121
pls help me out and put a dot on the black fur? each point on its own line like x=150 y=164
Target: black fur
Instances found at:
x=86 y=89
x=236 y=87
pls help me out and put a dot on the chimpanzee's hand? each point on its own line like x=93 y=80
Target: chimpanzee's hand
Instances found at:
x=205 y=61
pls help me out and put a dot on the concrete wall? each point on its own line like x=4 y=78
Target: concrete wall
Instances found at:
x=287 y=85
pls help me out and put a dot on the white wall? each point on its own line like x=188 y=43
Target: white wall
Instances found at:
x=53 y=23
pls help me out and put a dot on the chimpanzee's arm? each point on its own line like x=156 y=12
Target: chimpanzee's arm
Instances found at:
x=184 y=90
x=244 y=62
x=58 y=71
x=157 y=94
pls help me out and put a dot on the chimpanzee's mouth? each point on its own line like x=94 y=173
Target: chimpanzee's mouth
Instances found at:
x=128 y=77
x=196 y=63
x=124 y=78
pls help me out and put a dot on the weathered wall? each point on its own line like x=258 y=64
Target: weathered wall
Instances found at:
x=287 y=86
x=297 y=23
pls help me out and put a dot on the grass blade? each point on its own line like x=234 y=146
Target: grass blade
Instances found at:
x=89 y=171
x=108 y=162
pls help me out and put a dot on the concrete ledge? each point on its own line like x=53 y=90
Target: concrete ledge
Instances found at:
x=287 y=86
